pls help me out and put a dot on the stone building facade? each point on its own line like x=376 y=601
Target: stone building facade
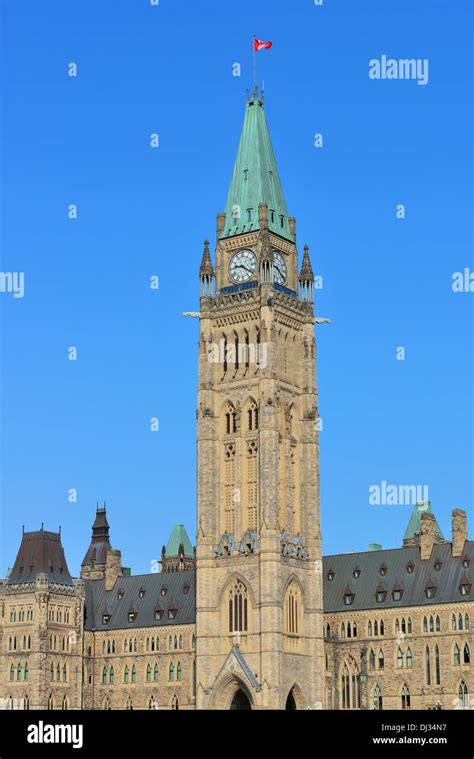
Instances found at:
x=253 y=617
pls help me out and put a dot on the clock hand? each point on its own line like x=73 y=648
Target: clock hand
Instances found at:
x=241 y=266
x=278 y=270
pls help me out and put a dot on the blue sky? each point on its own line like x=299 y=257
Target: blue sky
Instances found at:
x=144 y=211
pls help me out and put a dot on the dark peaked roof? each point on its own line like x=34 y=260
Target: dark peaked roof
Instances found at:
x=100 y=543
x=40 y=552
x=446 y=579
x=176 y=598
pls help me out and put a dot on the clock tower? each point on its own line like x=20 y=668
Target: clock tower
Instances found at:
x=259 y=620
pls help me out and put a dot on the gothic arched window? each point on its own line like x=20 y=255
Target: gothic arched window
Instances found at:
x=406 y=697
x=238 y=608
x=463 y=695
x=457 y=655
x=292 y=609
x=377 y=698
x=437 y=666
x=371 y=660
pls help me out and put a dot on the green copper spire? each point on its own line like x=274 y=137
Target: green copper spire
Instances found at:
x=255 y=179
x=179 y=536
x=414 y=525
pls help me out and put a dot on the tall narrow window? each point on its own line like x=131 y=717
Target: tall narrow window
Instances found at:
x=400 y=658
x=155 y=673
x=463 y=696
x=179 y=672
x=134 y=674
x=377 y=698
x=467 y=654
x=229 y=486
x=437 y=666
x=457 y=655
x=126 y=675
x=238 y=608
x=171 y=672
x=406 y=697
x=252 y=485
x=148 y=673
x=381 y=659
x=371 y=660
x=409 y=659
x=292 y=605
x=428 y=666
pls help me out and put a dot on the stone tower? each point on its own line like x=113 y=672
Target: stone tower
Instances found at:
x=259 y=571
x=41 y=623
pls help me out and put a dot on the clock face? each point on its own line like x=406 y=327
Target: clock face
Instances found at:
x=243 y=265
x=279 y=268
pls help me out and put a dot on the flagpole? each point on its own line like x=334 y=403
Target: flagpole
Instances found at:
x=254 y=70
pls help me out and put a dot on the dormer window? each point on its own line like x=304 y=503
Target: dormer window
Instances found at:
x=430 y=590
x=186 y=589
x=120 y=595
x=438 y=564
x=272 y=215
x=105 y=619
x=466 y=562
x=246 y=172
x=356 y=573
x=132 y=615
x=382 y=570
x=380 y=593
x=172 y=613
x=164 y=590
x=249 y=214
x=158 y=614
x=282 y=221
x=465 y=587
x=330 y=575
x=410 y=567
x=348 y=599
x=397 y=593
x=141 y=593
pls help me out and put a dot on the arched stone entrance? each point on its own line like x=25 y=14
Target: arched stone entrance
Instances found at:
x=240 y=701
x=295 y=700
x=231 y=693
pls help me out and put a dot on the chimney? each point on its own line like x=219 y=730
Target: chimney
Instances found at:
x=113 y=568
x=427 y=534
x=459 y=528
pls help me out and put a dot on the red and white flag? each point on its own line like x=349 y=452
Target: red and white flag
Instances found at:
x=261 y=45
